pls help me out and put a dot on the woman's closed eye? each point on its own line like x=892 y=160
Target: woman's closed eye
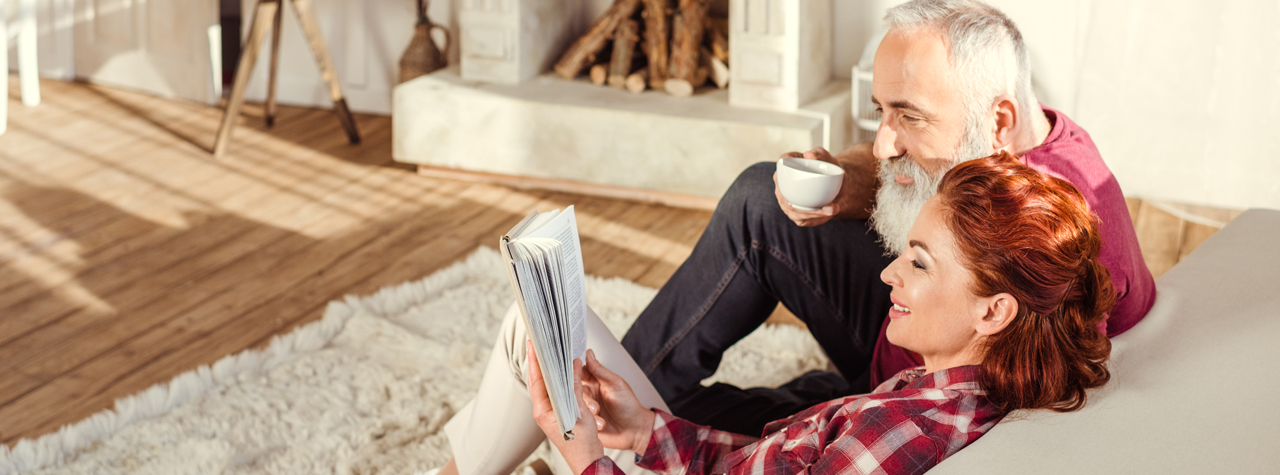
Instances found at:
x=917 y=265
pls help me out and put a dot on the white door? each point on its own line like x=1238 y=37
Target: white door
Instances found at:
x=162 y=47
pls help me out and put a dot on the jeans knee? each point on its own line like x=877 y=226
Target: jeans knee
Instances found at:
x=751 y=195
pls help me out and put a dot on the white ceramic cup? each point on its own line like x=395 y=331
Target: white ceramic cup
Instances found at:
x=809 y=184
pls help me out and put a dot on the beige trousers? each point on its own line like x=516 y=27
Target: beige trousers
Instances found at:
x=494 y=432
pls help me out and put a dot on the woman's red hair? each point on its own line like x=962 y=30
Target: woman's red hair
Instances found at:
x=1033 y=236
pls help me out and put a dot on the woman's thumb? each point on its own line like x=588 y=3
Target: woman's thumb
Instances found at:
x=598 y=370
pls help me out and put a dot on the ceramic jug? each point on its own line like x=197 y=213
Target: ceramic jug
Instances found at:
x=423 y=56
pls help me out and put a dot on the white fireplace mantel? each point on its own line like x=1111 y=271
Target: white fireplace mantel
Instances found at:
x=574 y=130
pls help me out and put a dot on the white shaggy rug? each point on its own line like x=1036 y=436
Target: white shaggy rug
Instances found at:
x=364 y=390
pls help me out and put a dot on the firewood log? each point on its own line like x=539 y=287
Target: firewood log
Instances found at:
x=657 y=34
x=599 y=74
x=624 y=46
x=686 y=36
x=679 y=87
x=578 y=54
x=719 y=24
x=637 y=81
x=717 y=71
x=718 y=40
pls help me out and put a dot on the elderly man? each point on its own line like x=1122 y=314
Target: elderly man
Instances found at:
x=952 y=78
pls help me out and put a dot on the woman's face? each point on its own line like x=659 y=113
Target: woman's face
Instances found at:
x=935 y=312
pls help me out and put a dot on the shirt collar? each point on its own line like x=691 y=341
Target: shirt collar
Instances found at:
x=957 y=378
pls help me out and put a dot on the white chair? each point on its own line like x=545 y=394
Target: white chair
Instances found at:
x=28 y=71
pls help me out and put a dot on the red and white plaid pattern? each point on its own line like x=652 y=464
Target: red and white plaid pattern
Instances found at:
x=907 y=425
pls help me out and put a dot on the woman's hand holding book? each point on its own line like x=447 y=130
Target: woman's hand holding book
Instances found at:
x=622 y=422
x=610 y=414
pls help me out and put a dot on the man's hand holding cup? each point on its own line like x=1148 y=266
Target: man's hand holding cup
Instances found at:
x=815 y=187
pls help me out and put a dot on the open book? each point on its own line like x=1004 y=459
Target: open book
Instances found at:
x=545 y=263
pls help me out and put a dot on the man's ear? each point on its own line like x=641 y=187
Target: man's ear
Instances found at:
x=1007 y=115
x=1001 y=310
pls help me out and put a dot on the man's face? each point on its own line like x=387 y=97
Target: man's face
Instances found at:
x=923 y=132
x=924 y=116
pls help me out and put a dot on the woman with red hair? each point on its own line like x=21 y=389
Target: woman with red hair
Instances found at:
x=1000 y=295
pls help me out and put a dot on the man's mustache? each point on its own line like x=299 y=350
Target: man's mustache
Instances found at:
x=908 y=163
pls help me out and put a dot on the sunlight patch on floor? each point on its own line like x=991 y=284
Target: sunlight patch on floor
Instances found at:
x=49 y=261
x=610 y=231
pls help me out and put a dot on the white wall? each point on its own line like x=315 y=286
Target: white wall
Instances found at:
x=1185 y=102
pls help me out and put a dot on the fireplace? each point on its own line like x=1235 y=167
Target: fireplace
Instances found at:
x=503 y=111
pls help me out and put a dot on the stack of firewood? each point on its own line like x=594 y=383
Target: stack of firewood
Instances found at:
x=667 y=45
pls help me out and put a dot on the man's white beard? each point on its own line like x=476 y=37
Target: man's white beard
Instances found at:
x=897 y=205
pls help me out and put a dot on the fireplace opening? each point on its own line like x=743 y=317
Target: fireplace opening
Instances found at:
x=675 y=46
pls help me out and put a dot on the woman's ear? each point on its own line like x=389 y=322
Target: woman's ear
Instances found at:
x=1001 y=310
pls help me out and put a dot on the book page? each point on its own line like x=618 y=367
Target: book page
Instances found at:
x=537 y=222
x=536 y=264
x=564 y=229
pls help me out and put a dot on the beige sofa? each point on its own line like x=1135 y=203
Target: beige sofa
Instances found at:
x=1195 y=386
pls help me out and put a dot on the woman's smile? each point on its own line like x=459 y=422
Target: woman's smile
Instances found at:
x=898 y=310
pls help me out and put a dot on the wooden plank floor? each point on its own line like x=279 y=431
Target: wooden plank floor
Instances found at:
x=128 y=255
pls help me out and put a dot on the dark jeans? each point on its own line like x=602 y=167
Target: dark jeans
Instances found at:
x=750 y=257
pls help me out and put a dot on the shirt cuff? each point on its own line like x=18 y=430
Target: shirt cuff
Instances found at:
x=603 y=466
x=652 y=452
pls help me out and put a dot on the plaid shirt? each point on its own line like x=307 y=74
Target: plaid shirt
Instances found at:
x=907 y=425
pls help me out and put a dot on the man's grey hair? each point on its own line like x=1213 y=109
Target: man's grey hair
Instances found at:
x=983 y=44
